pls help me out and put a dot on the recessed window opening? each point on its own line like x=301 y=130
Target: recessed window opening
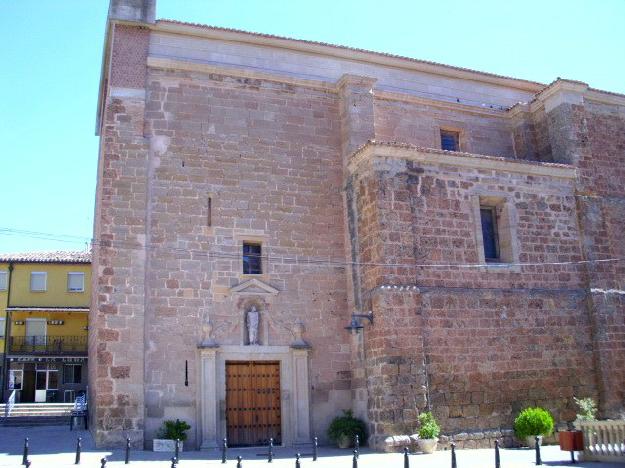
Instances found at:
x=490 y=236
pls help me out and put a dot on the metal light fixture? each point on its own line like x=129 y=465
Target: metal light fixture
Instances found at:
x=356 y=325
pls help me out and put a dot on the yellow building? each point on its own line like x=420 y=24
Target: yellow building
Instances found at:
x=44 y=310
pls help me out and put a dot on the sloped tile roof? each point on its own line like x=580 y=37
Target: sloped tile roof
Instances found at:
x=60 y=256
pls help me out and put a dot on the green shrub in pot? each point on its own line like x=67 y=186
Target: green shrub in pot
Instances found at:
x=344 y=428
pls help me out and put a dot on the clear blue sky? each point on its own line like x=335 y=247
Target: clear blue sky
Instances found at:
x=50 y=55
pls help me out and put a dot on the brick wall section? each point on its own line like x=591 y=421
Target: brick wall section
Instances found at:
x=268 y=154
x=128 y=56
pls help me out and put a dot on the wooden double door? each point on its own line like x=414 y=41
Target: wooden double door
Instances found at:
x=253 y=403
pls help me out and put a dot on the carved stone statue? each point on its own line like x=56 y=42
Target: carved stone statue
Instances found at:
x=252 y=319
x=207 y=335
x=298 y=332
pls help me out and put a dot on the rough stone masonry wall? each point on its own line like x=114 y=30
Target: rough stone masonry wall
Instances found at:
x=116 y=318
x=268 y=156
x=599 y=141
x=494 y=339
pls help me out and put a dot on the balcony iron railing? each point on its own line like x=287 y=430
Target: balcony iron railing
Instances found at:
x=48 y=345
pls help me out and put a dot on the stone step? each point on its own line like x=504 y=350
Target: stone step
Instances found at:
x=23 y=421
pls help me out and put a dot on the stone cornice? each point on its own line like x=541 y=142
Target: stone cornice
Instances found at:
x=411 y=98
x=186 y=65
x=374 y=149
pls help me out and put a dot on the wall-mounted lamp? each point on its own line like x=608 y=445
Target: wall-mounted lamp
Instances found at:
x=356 y=325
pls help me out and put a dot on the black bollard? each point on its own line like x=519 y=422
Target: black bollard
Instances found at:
x=315 y=448
x=355 y=459
x=174 y=462
x=357 y=445
x=127 y=457
x=78 y=447
x=497 y=459
x=239 y=459
x=453 y=456
x=177 y=450
x=297 y=463
x=224 y=447
x=270 y=452
x=25 y=454
x=103 y=462
x=406 y=461
x=538 y=460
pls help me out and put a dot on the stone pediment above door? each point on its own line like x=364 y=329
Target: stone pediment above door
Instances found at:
x=253 y=287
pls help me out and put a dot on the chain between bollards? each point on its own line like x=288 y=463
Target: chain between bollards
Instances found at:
x=315 y=448
x=127 y=457
x=224 y=447
x=453 y=456
x=103 y=462
x=357 y=445
x=239 y=460
x=25 y=454
x=297 y=463
x=270 y=452
x=538 y=460
x=497 y=458
x=78 y=447
x=355 y=459
x=406 y=460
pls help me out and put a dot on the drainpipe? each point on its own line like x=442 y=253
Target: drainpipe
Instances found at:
x=7 y=334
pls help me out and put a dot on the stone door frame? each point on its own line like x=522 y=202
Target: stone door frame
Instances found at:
x=294 y=391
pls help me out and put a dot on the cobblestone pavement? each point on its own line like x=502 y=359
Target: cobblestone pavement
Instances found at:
x=55 y=447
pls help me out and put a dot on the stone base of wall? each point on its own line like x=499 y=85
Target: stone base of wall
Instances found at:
x=463 y=440
x=480 y=439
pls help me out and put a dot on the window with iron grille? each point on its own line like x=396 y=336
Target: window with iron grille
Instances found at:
x=252 y=262
x=450 y=140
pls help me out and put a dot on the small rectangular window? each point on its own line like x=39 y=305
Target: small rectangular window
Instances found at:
x=3 y=323
x=488 y=215
x=4 y=275
x=252 y=264
x=72 y=374
x=38 y=281
x=450 y=141
x=75 y=282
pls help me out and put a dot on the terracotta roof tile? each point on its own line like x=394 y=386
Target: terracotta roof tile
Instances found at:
x=61 y=256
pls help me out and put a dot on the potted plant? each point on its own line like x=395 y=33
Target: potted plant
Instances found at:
x=532 y=422
x=168 y=434
x=343 y=429
x=573 y=440
x=428 y=432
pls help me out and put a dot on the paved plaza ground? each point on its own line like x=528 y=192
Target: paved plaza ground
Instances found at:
x=55 y=447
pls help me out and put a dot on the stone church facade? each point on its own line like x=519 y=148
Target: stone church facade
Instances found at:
x=255 y=191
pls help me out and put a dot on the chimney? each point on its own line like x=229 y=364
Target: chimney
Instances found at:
x=136 y=11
